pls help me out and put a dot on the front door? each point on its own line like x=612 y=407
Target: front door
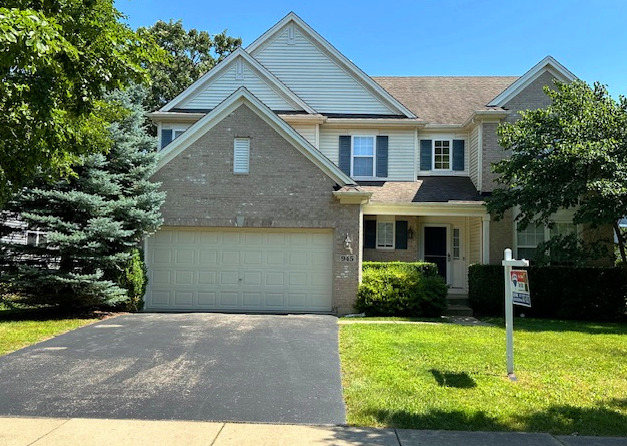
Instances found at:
x=436 y=248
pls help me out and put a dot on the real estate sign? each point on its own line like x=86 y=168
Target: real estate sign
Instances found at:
x=520 y=288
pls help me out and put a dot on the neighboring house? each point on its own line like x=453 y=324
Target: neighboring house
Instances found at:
x=286 y=166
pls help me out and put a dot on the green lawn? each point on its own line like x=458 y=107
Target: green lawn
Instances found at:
x=19 y=330
x=572 y=377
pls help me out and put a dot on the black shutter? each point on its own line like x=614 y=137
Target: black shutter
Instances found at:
x=166 y=137
x=382 y=156
x=458 y=154
x=370 y=233
x=345 y=154
x=401 y=234
x=425 y=154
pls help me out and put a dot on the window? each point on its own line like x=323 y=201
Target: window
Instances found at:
x=363 y=156
x=169 y=135
x=441 y=155
x=35 y=238
x=385 y=234
x=241 y=155
x=456 y=244
x=528 y=239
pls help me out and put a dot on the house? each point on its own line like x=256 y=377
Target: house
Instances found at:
x=286 y=166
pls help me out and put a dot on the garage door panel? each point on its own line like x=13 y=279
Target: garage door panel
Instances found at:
x=184 y=277
x=229 y=278
x=208 y=256
x=228 y=299
x=240 y=270
x=184 y=298
x=254 y=258
x=207 y=299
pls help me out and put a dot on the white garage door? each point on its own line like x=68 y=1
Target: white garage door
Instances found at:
x=239 y=270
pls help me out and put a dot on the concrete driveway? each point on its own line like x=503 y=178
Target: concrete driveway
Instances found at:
x=255 y=368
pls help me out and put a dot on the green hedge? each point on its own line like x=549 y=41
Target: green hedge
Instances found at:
x=401 y=289
x=425 y=268
x=556 y=292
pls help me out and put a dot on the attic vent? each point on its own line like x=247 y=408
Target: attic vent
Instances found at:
x=290 y=36
x=239 y=70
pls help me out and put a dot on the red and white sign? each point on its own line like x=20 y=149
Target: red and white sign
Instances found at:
x=520 y=288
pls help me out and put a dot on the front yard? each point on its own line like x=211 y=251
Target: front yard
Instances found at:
x=572 y=377
x=18 y=331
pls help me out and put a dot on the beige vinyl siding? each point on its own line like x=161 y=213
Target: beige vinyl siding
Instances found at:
x=474 y=238
x=400 y=149
x=442 y=136
x=473 y=156
x=314 y=77
x=222 y=87
x=308 y=132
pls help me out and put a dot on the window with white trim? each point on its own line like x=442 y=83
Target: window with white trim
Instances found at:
x=35 y=238
x=363 y=156
x=385 y=233
x=241 y=155
x=442 y=154
x=456 y=244
x=528 y=239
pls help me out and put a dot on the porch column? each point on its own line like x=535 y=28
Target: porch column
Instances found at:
x=485 y=238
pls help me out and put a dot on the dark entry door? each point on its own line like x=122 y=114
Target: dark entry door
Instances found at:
x=435 y=247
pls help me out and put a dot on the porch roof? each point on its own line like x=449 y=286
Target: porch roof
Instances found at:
x=433 y=189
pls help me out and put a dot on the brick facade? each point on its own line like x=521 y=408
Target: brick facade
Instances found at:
x=282 y=190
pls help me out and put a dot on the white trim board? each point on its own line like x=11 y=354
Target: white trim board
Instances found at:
x=549 y=64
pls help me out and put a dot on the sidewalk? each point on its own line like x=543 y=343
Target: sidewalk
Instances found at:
x=75 y=431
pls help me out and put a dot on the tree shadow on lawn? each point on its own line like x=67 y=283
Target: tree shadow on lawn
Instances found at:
x=51 y=314
x=539 y=325
x=557 y=420
x=459 y=380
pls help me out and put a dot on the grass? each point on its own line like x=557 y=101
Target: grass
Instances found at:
x=572 y=377
x=19 y=329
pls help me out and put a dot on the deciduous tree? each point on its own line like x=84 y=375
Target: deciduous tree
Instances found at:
x=572 y=154
x=58 y=59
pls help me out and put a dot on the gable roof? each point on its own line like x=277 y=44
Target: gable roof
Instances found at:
x=278 y=86
x=445 y=99
x=549 y=64
x=243 y=96
x=337 y=57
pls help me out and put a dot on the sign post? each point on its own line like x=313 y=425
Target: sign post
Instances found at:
x=508 y=263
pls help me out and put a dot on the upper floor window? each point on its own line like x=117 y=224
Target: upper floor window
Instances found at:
x=169 y=135
x=442 y=154
x=363 y=156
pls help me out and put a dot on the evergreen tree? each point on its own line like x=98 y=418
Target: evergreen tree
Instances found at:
x=93 y=222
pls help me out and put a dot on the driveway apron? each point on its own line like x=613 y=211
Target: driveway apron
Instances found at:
x=196 y=366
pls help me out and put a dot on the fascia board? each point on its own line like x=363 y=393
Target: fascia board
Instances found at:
x=558 y=70
x=339 y=58
x=450 y=209
x=375 y=122
x=230 y=104
x=174 y=116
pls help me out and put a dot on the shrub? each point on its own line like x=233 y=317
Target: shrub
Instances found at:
x=401 y=290
x=425 y=268
x=556 y=292
x=134 y=280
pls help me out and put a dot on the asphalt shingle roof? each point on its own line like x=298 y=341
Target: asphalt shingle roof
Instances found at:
x=424 y=190
x=446 y=99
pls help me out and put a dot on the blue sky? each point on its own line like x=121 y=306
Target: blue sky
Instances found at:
x=430 y=38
